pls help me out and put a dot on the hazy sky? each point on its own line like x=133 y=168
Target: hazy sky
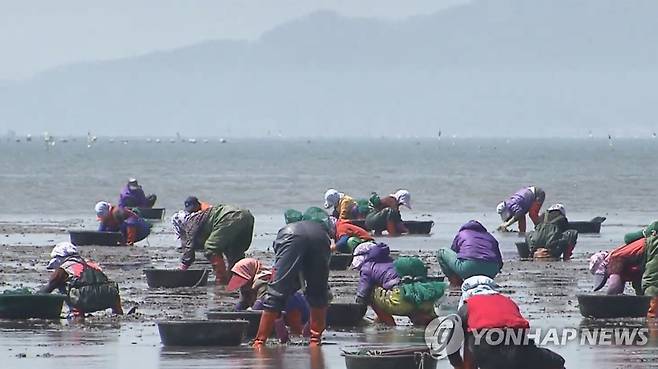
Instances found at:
x=40 y=34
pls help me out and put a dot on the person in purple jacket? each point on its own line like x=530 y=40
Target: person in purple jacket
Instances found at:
x=474 y=251
x=132 y=196
x=527 y=200
x=380 y=283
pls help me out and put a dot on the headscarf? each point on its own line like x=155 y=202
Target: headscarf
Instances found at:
x=61 y=252
x=598 y=267
x=403 y=197
x=102 y=209
x=558 y=207
x=361 y=254
x=650 y=228
x=331 y=198
x=178 y=220
x=477 y=285
x=246 y=270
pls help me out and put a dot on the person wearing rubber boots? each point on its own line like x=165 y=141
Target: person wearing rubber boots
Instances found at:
x=483 y=308
x=251 y=277
x=474 y=251
x=552 y=237
x=650 y=275
x=302 y=252
x=527 y=200
x=225 y=231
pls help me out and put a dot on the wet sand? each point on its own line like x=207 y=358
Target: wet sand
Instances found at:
x=545 y=291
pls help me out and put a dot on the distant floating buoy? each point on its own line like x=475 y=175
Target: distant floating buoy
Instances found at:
x=157 y=140
x=222 y=140
x=205 y=141
x=191 y=140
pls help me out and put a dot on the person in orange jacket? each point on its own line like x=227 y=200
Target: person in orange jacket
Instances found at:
x=344 y=230
x=621 y=265
x=117 y=219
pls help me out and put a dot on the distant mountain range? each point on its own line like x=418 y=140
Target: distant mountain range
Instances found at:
x=491 y=67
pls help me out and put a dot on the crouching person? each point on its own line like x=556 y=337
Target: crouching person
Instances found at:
x=251 y=278
x=483 y=308
x=552 y=237
x=474 y=251
x=302 y=251
x=85 y=285
x=394 y=287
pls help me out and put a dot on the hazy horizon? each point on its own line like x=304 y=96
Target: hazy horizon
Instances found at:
x=55 y=34
x=481 y=68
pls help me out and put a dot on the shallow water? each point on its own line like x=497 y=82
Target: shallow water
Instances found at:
x=451 y=181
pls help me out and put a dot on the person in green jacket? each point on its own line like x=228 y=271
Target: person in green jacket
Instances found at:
x=552 y=236
x=225 y=231
x=650 y=275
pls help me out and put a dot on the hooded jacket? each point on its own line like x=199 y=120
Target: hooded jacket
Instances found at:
x=377 y=271
x=138 y=197
x=519 y=203
x=474 y=242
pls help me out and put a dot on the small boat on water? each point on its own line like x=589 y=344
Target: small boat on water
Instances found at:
x=174 y=278
x=202 y=332
x=589 y=226
x=414 y=226
x=151 y=213
x=613 y=306
x=97 y=238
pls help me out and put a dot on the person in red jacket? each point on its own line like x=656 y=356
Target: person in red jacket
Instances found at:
x=344 y=230
x=482 y=308
x=621 y=265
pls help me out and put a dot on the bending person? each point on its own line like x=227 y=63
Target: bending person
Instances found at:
x=527 y=200
x=474 y=251
x=132 y=196
x=621 y=265
x=386 y=213
x=250 y=277
x=302 y=249
x=85 y=285
x=344 y=206
x=225 y=231
x=483 y=308
x=552 y=237
x=117 y=219
x=394 y=288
